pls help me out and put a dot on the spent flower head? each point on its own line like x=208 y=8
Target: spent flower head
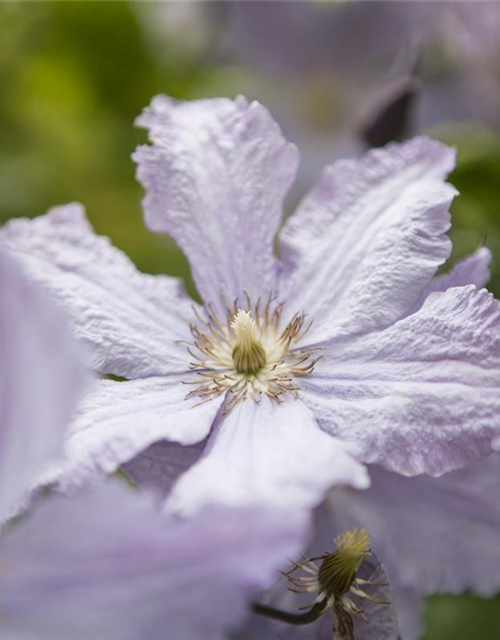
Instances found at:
x=333 y=579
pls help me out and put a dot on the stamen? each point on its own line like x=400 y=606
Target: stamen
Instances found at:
x=248 y=353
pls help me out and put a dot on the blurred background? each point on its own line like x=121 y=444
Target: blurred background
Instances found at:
x=338 y=76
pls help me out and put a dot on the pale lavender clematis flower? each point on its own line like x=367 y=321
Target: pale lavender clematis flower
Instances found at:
x=41 y=376
x=414 y=387
x=108 y=565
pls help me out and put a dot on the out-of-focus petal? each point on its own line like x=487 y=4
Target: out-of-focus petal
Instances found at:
x=159 y=466
x=41 y=376
x=108 y=566
x=215 y=179
x=131 y=321
x=116 y=421
x=381 y=620
x=368 y=239
x=422 y=395
x=267 y=453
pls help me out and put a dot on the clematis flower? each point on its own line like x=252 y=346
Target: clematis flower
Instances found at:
x=106 y=565
x=406 y=375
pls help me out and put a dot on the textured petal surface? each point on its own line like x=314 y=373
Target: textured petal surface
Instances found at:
x=368 y=239
x=215 y=179
x=41 y=376
x=433 y=534
x=474 y=269
x=108 y=566
x=422 y=395
x=118 y=420
x=267 y=453
x=130 y=321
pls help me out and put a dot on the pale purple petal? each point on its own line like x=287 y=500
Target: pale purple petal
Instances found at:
x=108 y=566
x=422 y=395
x=215 y=179
x=41 y=376
x=267 y=453
x=409 y=605
x=382 y=621
x=433 y=534
x=129 y=320
x=116 y=421
x=369 y=238
x=474 y=269
x=159 y=466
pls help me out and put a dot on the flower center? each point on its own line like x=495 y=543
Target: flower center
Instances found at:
x=249 y=353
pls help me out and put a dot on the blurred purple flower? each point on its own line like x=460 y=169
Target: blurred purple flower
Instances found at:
x=41 y=377
x=409 y=379
x=108 y=565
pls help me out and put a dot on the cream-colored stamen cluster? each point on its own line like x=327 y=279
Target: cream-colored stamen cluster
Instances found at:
x=249 y=353
x=335 y=578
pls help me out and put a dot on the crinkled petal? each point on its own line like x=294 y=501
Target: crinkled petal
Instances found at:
x=433 y=534
x=368 y=239
x=131 y=321
x=41 y=376
x=474 y=269
x=215 y=179
x=267 y=453
x=108 y=566
x=118 y=420
x=421 y=396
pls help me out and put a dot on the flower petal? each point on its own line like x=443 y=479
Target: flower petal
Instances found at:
x=215 y=179
x=422 y=395
x=369 y=238
x=41 y=376
x=107 y=565
x=119 y=420
x=474 y=269
x=131 y=321
x=159 y=466
x=267 y=453
x=381 y=621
